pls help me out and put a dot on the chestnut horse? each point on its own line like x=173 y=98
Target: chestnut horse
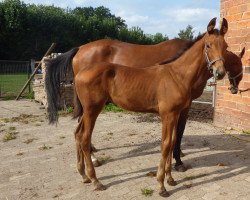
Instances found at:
x=163 y=89
x=133 y=55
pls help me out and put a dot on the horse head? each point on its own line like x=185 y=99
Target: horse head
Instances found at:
x=215 y=48
x=234 y=70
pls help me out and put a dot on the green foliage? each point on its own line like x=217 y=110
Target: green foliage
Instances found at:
x=70 y=109
x=187 y=34
x=10 y=136
x=44 y=147
x=246 y=131
x=27 y=30
x=112 y=108
x=147 y=192
x=104 y=159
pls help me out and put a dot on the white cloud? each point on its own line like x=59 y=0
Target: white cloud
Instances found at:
x=132 y=18
x=191 y=14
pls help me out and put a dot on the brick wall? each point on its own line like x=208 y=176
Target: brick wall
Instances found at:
x=234 y=110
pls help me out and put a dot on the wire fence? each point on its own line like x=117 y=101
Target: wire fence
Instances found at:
x=13 y=76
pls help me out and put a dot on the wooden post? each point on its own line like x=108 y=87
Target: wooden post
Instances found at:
x=35 y=70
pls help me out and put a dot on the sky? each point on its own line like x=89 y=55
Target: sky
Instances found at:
x=153 y=16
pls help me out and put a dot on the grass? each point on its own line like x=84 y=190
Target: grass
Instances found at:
x=246 y=131
x=147 y=192
x=45 y=147
x=70 y=109
x=29 y=140
x=9 y=136
x=65 y=112
x=104 y=159
x=11 y=84
x=12 y=128
x=112 y=108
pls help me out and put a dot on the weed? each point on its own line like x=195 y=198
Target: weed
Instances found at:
x=45 y=147
x=6 y=120
x=66 y=111
x=112 y=108
x=20 y=154
x=246 y=131
x=147 y=192
x=9 y=136
x=29 y=140
x=104 y=159
x=70 y=109
x=12 y=128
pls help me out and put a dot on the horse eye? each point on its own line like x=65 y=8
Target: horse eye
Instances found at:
x=208 y=45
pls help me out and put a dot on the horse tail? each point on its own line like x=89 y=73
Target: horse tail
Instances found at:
x=56 y=71
x=78 y=110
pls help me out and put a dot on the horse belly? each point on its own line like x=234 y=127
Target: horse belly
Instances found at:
x=133 y=98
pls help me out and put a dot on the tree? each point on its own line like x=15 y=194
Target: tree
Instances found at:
x=187 y=34
x=158 y=37
x=27 y=30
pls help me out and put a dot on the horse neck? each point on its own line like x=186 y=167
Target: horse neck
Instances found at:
x=190 y=65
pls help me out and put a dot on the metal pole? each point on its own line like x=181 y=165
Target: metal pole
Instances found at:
x=34 y=72
x=214 y=93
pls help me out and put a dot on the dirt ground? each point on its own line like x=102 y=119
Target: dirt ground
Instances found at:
x=40 y=160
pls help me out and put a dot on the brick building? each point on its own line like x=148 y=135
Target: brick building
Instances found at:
x=234 y=110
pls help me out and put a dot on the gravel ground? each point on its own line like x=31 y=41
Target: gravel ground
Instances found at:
x=40 y=163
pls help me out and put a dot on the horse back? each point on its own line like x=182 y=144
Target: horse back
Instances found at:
x=122 y=53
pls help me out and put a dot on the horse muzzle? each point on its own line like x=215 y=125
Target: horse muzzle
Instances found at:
x=233 y=90
x=219 y=74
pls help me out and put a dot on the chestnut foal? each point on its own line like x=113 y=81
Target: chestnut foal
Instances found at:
x=164 y=89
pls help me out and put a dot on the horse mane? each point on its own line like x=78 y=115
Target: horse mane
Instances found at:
x=183 y=50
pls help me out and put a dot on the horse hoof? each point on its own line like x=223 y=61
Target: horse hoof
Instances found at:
x=99 y=187
x=181 y=168
x=182 y=154
x=93 y=148
x=97 y=163
x=171 y=182
x=164 y=193
x=86 y=180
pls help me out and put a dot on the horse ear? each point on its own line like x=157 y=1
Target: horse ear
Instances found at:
x=211 y=25
x=242 y=53
x=224 y=27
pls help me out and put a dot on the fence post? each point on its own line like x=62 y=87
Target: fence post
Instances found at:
x=34 y=72
x=30 y=70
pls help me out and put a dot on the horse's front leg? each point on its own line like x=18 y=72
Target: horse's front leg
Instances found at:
x=170 y=179
x=169 y=123
x=179 y=166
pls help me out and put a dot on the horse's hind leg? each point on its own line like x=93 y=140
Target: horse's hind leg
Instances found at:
x=179 y=166
x=89 y=118
x=79 y=152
